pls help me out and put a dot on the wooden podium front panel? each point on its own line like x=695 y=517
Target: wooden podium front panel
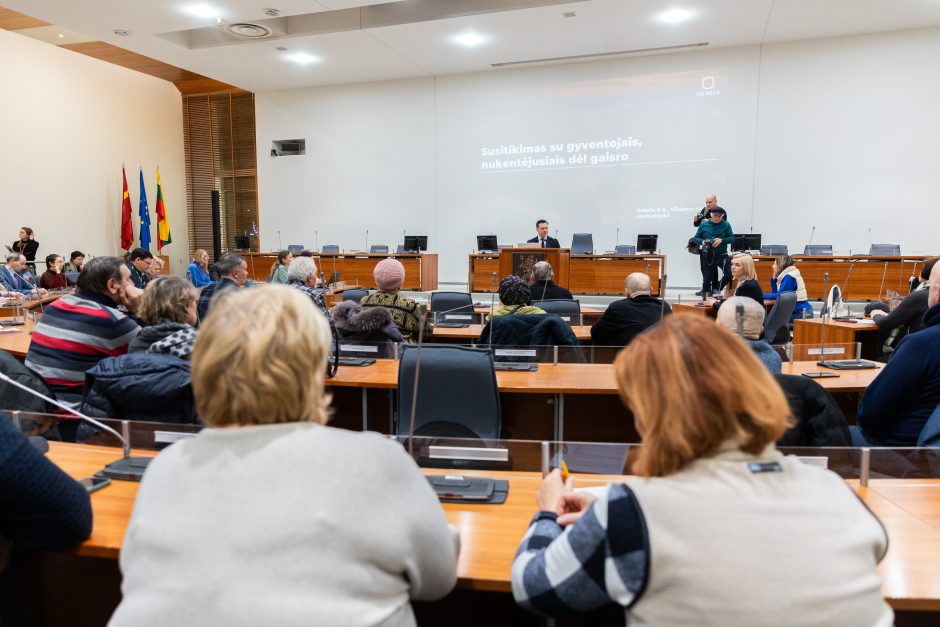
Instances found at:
x=480 y=277
x=871 y=277
x=557 y=257
x=420 y=270
x=605 y=274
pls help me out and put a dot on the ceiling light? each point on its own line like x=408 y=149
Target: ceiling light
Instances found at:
x=218 y=20
x=469 y=40
x=202 y=10
x=674 y=16
x=120 y=32
x=61 y=36
x=271 y=12
x=302 y=58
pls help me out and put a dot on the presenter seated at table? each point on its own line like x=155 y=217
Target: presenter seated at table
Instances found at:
x=516 y=298
x=198 y=270
x=752 y=329
x=389 y=276
x=898 y=403
x=717 y=527
x=786 y=278
x=544 y=287
x=625 y=319
x=745 y=281
x=541 y=236
x=53 y=278
x=268 y=516
x=907 y=316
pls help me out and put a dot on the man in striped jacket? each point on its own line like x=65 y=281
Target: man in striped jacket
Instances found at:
x=77 y=331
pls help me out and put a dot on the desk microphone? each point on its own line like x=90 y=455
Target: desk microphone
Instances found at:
x=316 y=239
x=812 y=233
x=662 y=297
x=367 y=240
x=125 y=469
x=618 y=238
x=884 y=273
x=869 y=240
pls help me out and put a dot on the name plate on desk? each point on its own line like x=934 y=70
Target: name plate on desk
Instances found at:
x=469 y=453
x=356 y=348
x=826 y=351
x=514 y=352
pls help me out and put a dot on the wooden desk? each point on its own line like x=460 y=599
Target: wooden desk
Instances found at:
x=871 y=277
x=605 y=274
x=420 y=269
x=17 y=342
x=589 y=315
x=482 y=267
x=808 y=337
x=693 y=308
x=473 y=331
x=490 y=534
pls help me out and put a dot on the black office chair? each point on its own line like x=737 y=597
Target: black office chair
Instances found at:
x=457 y=393
x=817 y=249
x=885 y=250
x=459 y=303
x=625 y=249
x=819 y=420
x=566 y=309
x=779 y=318
x=582 y=244
x=330 y=248
x=378 y=249
x=354 y=295
x=774 y=249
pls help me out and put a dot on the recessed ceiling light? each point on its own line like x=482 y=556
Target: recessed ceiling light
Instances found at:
x=120 y=32
x=202 y=10
x=674 y=16
x=303 y=58
x=470 y=39
x=271 y=12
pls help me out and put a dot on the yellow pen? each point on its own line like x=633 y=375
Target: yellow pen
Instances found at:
x=564 y=471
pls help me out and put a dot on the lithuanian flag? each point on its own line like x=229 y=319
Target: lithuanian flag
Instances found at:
x=163 y=224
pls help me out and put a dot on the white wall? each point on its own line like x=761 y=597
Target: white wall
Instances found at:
x=839 y=133
x=68 y=122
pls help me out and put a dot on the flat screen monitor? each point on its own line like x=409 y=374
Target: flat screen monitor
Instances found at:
x=744 y=242
x=416 y=243
x=487 y=243
x=646 y=243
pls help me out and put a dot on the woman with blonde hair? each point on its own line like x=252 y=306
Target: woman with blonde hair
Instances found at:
x=268 y=516
x=198 y=270
x=745 y=281
x=717 y=528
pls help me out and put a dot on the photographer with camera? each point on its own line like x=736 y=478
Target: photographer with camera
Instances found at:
x=713 y=237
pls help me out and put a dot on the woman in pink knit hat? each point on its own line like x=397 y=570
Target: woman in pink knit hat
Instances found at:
x=389 y=275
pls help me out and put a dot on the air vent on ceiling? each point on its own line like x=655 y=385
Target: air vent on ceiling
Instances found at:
x=601 y=55
x=248 y=31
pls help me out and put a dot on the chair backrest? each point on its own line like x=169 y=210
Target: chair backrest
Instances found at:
x=456 y=388
x=817 y=249
x=354 y=295
x=625 y=249
x=819 y=419
x=885 y=250
x=330 y=248
x=73 y=276
x=295 y=249
x=566 y=309
x=582 y=244
x=399 y=249
x=452 y=302
x=774 y=249
x=930 y=434
x=379 y=249
x=779 y=315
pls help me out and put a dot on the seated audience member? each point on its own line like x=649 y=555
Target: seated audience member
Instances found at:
x=372 y=325
x=711 y=498
x=233 y=273
x=787 y=278
x=515 y=297
x=752 y=329
x=389 y=276
x=168 y=312
x=626 y=318
x=897 y=404
x=278 y=272
x=79 y=330
x=908 y=316
x=543 y=287
x=42 y=507
x=76 y=261
x=53 y=278
x=302 y=275
x=198 y=270
x=745 y=278
x=351 y=530
x=138 y=262
x=156 y=268
x=12 y=278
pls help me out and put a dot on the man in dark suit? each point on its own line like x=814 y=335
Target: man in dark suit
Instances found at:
x=542 y=238
x=627 y=318
x=543 y=288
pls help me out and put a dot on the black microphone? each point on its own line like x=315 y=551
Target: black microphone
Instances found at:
x=662 y=297
x=812 y=233
x=618 y=238
x=316 y=240
x=125 y=469
x=367 y=240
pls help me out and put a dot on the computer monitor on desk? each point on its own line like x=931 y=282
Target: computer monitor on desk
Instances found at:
x=416 y=243
x=487 y=244
x=744 y=242
x=646 y=243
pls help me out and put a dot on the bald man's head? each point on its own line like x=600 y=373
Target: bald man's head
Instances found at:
x=711 y=201
x=636 y=284
x=752 y=314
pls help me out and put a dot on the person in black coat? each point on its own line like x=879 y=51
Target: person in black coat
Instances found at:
x=627 y=318
x=541 y=238
x=543 y=287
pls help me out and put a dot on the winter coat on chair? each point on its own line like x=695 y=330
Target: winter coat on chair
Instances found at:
x=543 y=330
x=372 y=325
x=819 y=420
x=140 y=386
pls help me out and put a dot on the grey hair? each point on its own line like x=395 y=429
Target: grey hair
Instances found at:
x=542 y=271
x=228 y=263
x=11 y=257
x=753 y=316
x=300 y=268
x=637 y=283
